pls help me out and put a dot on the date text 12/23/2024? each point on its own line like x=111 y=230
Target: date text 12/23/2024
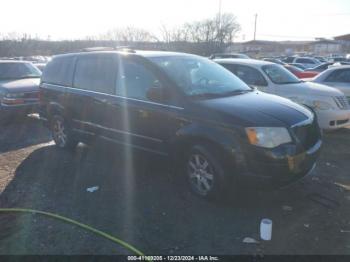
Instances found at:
x=173 y=258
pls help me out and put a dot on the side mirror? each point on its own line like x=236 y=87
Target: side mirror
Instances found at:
x=155 y=94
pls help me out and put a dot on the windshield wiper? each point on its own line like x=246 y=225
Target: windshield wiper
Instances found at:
x=216 y=95
x=205 y=95
x=237 y=92
x=291 y=82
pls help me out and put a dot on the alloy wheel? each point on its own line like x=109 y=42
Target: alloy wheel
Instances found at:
x=59 y=132
x=200 y=174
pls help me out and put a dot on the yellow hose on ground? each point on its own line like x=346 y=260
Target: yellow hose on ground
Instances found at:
x=71 y=221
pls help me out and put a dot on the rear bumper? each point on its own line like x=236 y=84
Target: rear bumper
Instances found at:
x=279 y=167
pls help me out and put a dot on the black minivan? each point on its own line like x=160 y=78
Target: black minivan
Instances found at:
x=183 y=106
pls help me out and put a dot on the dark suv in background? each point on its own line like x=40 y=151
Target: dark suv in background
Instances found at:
x=19 y=89
x=187 y=107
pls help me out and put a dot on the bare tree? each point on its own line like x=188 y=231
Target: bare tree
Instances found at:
x=175 y=34
x=129 y=34
x=165 y=33
x=227 y=27
x=220 y=29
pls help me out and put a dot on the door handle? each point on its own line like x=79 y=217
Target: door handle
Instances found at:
x=100 y=101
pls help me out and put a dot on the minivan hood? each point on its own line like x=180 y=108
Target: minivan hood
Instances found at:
x=311 y=88
x=256 y=109
x=20 y=85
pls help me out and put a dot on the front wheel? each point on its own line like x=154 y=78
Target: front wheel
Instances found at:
x=61 y=133
x=205 y=173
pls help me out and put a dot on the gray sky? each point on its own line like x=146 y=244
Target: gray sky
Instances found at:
x=277 y=19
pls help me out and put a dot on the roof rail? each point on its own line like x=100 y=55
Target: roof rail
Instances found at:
x=103 y=48
x=126 y=49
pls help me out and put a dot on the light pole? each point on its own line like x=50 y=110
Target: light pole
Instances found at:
x=256 y=19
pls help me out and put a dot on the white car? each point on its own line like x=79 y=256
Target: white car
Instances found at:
x=331 y=106
x=338 y=77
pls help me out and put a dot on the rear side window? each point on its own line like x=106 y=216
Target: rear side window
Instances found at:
x=96 y=73
x=59 y=71
x=249 y=75
x=339 y=76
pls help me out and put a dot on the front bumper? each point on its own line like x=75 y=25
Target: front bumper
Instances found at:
x=17 y=110
x=278 y=167
x=333 y=119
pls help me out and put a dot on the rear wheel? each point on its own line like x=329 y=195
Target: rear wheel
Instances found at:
x=205 y=173
x=61 y=133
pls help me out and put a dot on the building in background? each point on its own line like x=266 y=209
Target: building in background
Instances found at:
x=261 y=48
x=326 y=47
x=345 y=42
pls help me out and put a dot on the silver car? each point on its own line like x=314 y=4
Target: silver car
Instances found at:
x=331 y=106
x=338 y=77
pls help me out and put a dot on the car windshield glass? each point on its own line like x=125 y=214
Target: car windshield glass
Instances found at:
x=280 y=75
x=18 y=71
x=200 y=77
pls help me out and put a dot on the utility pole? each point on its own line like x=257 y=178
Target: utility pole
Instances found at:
x=220 y=4
x=256 y=19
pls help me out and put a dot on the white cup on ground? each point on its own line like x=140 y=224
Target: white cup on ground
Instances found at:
x=266 y=229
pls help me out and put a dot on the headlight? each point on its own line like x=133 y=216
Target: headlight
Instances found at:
x=268 y=137
x=14 y=95
x=321 y=105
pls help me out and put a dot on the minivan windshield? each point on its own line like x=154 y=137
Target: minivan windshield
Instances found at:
x=200 y=77
x=18 y=71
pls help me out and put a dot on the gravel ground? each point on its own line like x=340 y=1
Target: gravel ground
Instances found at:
x=141 y=202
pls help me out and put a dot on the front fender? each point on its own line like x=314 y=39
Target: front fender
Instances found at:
x=228 y=140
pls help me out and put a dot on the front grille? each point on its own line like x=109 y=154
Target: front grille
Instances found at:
x=307 y=134
x=342 y=102
x=342 y=122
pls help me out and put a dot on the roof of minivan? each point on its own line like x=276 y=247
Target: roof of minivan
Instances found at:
x=137 y=52
x=243 y=61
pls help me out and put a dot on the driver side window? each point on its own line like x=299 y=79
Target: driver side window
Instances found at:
x=135 y=80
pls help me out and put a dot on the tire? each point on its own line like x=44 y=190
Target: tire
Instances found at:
x=61 y=133
x=205 y=172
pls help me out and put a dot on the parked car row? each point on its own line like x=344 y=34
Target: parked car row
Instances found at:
x=337 y=80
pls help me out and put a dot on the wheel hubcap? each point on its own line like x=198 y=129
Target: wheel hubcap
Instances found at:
x=200 y=174
x=59 y=133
